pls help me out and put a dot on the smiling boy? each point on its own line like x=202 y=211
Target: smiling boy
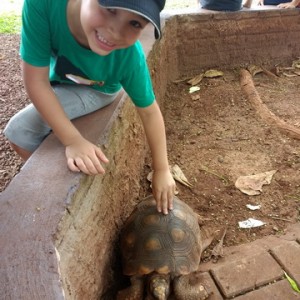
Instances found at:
x=76 y=56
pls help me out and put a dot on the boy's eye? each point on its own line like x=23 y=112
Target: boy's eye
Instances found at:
x=136 y=24
x=111 y=10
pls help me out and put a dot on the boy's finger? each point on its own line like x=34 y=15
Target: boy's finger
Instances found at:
x=164 y=204
x=171 y=200
x=101 y=155
x=72 y=166
x=158 y=203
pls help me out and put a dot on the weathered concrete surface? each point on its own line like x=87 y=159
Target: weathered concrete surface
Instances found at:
x=59 y=229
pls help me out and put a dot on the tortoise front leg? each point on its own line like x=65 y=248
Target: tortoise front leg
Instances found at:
x=158 y=287
x=133 y=292
x=190 y=287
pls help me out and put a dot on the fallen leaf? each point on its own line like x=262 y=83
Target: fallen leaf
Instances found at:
x=296 y=64
x=213 y=73
x=197 y=79
x=217 y=251
x=252 y=184
x=289 y=75
x=297 y=72
x=179 y=176
x=181 y=80
x=253 y=69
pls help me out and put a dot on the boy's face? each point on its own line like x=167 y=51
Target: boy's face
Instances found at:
x=109 y=29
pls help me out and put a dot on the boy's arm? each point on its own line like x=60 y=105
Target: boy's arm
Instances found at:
x=163 y=184
x=81 y=154
x=247 y=3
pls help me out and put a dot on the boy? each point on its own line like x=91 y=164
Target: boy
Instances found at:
x=76 y=56
x=221 y=5
x=280 y=3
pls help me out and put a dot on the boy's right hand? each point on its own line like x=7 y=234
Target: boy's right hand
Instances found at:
x=86 y=157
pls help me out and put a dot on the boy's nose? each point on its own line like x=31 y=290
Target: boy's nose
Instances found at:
x=116 y=29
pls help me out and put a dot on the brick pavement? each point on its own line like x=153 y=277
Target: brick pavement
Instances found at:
x=255 y=271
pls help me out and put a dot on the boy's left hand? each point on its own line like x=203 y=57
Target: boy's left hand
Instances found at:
x=86 y=157
x=163 y=187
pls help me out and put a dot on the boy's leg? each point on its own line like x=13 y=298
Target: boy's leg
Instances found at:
x=247 y=3
x=26 y=130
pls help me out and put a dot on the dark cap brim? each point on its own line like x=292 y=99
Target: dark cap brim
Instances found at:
x=150 y=10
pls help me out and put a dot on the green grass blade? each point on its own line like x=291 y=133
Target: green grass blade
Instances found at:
x=292 y=283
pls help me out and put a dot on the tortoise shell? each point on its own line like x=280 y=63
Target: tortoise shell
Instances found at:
x=152 y=241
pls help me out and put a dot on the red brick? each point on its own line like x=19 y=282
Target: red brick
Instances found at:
x=288 y=255
x=246 y=273
x=280 y=290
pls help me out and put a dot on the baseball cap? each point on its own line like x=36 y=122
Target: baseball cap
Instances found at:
x=149 y=9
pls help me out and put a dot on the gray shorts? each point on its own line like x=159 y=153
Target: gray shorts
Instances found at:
x=27 y=129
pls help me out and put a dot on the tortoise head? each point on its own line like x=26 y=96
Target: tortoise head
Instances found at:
x=159 y=286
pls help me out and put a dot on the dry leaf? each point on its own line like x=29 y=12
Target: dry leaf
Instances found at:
x=297 y=72
x=179 y=176
x=253 y=69
x=213 y=73
x=296 y=64
x=217 y=251
x=252 y=184
x=181 y=80
x=289 y=75
x=196 y=79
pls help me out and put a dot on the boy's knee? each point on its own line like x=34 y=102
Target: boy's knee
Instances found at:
x=24 y=154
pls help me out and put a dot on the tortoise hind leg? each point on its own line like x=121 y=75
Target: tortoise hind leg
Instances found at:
x=190 y=287
x=133 y=292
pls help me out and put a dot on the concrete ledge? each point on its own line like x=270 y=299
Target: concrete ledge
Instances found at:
x=32 y=207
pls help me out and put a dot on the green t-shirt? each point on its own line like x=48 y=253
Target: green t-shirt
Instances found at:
x=47 y=41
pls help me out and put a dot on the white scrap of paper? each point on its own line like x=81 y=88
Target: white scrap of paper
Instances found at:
x=194 y=89
x=251 y=223
x=253 y=207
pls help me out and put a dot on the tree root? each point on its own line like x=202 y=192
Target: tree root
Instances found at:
x=269 y=117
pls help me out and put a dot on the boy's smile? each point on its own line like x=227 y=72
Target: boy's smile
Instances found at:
x=103 y=30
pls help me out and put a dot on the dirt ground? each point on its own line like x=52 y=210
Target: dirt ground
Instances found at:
x=215 y=135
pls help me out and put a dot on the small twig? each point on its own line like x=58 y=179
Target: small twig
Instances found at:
x=294 y=197
x=281 y=219
x=270 y=74
x=224 y=179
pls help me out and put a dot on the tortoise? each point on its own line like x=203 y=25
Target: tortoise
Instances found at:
x=161 y=253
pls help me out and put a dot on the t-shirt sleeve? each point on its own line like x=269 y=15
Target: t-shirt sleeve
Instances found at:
x=137 y=83
x=35 y=46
